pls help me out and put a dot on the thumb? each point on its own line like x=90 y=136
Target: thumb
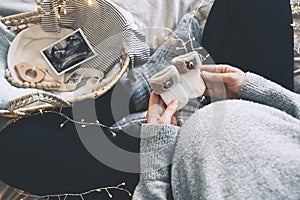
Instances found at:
x=169 y=112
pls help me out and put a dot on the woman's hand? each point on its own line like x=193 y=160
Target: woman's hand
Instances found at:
x=222 y=81
x=159 y=113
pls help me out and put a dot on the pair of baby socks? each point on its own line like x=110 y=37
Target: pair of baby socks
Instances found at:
x=181 y=80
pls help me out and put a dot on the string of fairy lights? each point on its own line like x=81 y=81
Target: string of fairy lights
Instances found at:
x=295 y=6
x=83 y=123
x=79 y=195
x=125 y=123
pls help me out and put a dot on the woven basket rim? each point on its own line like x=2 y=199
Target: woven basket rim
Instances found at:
x=21 y=21
x=13 y=113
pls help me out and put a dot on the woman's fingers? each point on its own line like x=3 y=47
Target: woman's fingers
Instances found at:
x=154 y=99
x=215 y=68
x=213 y=77
x=218 y=68
x=170 y=111
x=157 y=113
x=209 y=68
x=174 y=121
x=161 y=102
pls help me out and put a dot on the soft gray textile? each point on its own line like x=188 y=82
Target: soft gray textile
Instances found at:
x=10 y=7
x=157 y=17
x=8 y=92
x=232 y=149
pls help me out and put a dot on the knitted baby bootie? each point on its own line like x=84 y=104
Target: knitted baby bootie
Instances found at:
x=188 y=66
x=166 y=83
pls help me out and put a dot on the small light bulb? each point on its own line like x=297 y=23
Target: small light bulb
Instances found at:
x=113 y=133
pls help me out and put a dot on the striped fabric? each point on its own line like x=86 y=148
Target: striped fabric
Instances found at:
x=109 y=29
x=49 y=16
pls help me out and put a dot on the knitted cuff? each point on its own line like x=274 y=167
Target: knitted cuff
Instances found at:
x=188 y=66
x=187 y=62
x=156 y=150
x=261 y=90
x=255 y=88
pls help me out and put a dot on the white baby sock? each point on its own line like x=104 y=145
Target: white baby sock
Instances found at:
x=188 y=66
x=166 y=83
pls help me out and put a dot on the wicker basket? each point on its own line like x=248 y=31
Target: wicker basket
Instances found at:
x=26 y=105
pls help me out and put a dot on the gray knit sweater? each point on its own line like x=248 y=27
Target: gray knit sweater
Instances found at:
x=233 y=149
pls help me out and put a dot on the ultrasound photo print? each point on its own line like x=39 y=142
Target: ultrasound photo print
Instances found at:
x=69 y=52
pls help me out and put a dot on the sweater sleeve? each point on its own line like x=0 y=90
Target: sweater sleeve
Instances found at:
x=157 y=147
x=261 y=90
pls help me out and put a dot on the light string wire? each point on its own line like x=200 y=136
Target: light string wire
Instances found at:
x=84 y=123
x=112 y=129
x=296 y=26
x=81 y=195
x=191 y=38
x=190 y=24
x=295 y=6
x=124 y=121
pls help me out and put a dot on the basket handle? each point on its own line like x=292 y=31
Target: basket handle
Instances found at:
x=21 y=21
x=20 y=105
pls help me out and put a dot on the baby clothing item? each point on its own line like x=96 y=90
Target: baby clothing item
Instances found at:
x=188 y=66
x=181 y=80
x=166 y=83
